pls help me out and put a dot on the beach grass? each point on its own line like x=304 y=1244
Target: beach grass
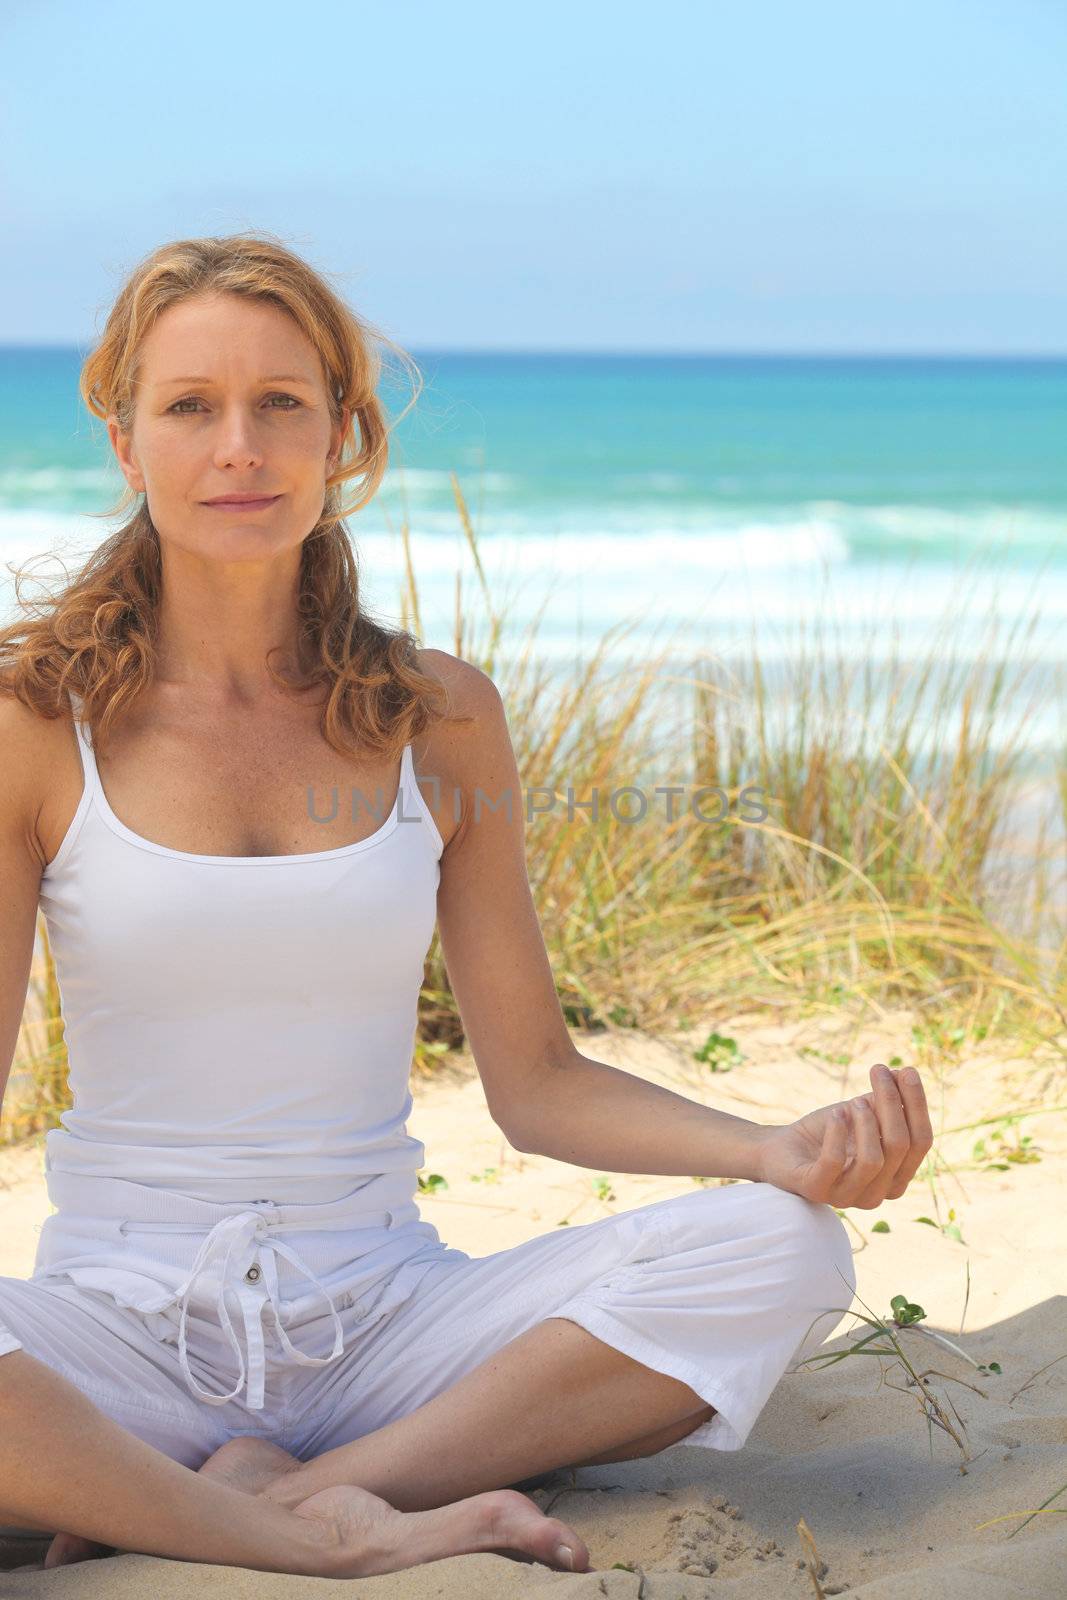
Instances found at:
x=841 y=843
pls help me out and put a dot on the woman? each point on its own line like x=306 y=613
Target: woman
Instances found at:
x=239 y=979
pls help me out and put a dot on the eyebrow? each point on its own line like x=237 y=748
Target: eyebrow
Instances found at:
x=274 y=377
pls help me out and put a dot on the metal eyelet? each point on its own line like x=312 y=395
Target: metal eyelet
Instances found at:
x=252 y=1274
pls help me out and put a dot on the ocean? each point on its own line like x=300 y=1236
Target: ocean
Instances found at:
x=723 y=504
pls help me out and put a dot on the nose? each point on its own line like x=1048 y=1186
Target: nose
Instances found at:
x=238 y=444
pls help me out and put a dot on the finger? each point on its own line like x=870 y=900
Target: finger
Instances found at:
x=831 y=1159
x=920 y=1129
x=892 y=1123
x=869 y=1160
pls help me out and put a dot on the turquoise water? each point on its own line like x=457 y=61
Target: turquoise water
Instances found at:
x=724 y=499
x=893 y=456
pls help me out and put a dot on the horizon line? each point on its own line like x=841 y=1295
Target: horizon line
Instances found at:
x=618 y=353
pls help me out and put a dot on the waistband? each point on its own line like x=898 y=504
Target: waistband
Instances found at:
x=239 y=1249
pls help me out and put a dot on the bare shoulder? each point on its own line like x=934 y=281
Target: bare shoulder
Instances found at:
x=32 y=750
x=470 y=690
x=26 y=737
x=459 y=757
x=472 y=696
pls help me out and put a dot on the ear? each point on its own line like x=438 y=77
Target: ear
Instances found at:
x=337 y=436
x=122 y=445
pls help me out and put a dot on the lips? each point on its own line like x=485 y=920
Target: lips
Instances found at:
x=243 y=504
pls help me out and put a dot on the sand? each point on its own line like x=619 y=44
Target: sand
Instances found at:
x=847 y=1449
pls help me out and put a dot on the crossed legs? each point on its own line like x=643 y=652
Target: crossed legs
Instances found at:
x=542 y=1401
x=554 y=1396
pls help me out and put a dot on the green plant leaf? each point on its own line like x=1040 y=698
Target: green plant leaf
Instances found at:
x=905 y=1311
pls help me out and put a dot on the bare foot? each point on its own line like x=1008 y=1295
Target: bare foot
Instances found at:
x=364 y=1534
x=70 y=1547
x=249 y=1464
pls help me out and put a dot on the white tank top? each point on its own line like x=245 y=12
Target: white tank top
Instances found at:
x=240 y=1025
x=240 y=1032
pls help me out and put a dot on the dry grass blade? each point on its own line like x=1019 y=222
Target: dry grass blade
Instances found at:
x=816 y=1566
x=1041 y=1510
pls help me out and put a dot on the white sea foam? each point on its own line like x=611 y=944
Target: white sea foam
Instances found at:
x=753 y=581
x=776 y=591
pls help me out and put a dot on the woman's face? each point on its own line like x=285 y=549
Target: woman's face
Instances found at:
x=230 y=398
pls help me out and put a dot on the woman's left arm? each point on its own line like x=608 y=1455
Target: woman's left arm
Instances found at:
x=542 y=1092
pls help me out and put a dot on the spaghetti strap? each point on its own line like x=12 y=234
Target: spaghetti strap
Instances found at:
x=90 y=773
x=417 y=805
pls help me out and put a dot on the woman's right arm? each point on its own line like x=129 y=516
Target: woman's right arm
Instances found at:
x=21 y=866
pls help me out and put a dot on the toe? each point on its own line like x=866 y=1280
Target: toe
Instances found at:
x=517 y=1524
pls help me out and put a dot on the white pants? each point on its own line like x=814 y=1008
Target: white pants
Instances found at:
x=718 y=1288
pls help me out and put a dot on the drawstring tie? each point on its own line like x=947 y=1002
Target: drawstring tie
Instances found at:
x=230 y=1237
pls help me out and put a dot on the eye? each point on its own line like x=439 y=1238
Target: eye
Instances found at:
x=190 y=399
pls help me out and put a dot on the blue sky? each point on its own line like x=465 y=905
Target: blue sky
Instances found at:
x=818 y=177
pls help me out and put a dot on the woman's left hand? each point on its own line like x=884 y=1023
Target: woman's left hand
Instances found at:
x=868 y=1154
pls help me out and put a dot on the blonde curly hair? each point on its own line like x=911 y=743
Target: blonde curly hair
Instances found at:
x=97 y=635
